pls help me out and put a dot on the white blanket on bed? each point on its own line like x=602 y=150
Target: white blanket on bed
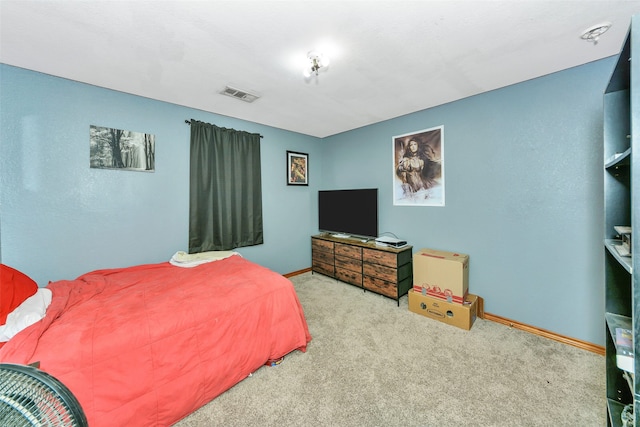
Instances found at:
x=183 y=259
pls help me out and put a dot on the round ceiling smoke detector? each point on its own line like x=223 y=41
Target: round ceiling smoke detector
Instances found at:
x=592 y=34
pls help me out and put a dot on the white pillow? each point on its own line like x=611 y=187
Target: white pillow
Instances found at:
x=26 y=314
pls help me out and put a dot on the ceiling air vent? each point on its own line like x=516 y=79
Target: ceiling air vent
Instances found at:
x=242 y=95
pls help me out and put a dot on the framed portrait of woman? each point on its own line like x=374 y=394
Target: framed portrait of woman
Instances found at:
x=418 y=170
x=297 y=168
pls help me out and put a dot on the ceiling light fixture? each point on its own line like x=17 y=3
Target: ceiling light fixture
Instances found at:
x=592 y=34
x=316 y=62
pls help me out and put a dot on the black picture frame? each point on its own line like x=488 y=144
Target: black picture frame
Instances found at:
x=297 y=168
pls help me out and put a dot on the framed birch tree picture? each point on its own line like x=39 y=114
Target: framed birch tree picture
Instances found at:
x=111 y=148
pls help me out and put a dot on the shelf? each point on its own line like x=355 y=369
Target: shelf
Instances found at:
x=621 y=141
x=625 y=261
x=621 y=159
x=615 y=412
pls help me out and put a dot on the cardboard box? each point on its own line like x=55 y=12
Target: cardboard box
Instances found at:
x=460 y=315
x=440 y=274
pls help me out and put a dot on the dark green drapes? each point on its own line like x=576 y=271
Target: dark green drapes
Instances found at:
x=225 y=201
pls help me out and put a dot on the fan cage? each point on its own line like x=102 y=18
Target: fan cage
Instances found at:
x=31 y=397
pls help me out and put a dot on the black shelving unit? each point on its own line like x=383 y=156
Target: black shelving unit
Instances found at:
x=621 y=203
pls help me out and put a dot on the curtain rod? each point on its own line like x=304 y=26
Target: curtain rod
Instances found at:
x=189 y=123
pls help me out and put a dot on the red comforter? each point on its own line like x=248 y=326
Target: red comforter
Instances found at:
x=147 y=345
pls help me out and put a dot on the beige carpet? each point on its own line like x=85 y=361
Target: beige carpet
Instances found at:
x=371 y=363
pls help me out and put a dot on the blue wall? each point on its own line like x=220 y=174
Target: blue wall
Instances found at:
x=523 y=189
x=524 y=194
x=59 y=218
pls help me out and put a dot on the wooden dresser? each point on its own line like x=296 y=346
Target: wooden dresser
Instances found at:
x=383 y=270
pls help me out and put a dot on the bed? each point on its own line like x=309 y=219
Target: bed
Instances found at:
x=147 y=345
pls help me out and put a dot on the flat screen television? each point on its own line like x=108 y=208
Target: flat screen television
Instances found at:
x=349 y=212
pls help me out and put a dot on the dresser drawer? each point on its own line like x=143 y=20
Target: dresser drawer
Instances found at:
x=351 y=264
x=321 y=245
x=380 y=271
x=323 y=267
x=389 y=259
x=322 y=256
x=381 y=286
x=353 y=277
x=348 y=251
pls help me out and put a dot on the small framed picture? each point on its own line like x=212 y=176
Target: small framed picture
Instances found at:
x=297 y=168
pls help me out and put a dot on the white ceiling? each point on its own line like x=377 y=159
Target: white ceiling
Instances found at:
x=388 y=58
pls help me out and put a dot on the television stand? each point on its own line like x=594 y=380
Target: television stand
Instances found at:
x=384 y=270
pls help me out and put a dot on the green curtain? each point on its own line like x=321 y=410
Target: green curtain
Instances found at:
x=225 y=192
